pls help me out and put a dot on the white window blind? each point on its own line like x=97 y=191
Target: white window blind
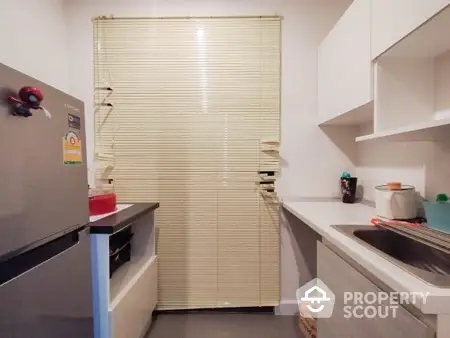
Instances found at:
x=193 y=118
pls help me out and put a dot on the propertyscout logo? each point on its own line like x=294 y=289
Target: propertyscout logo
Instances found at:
x=316 y=300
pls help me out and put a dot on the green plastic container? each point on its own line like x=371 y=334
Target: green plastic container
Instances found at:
x=437 y=215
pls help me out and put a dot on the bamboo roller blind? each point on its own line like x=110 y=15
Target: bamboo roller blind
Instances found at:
x=193 y=101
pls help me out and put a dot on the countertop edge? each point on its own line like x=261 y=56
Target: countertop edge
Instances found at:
x=121 y=219
x=438 y=301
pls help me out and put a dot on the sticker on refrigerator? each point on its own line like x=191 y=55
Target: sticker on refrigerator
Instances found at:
x=72 y=149
x=74 y=122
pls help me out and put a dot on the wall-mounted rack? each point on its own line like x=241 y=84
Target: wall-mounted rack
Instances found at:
x=105 y=104
x=109 y=89
x=270 y=142
x=103 y=156
x=270 y=145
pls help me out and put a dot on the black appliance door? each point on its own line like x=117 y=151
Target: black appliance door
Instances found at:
x=46 y=291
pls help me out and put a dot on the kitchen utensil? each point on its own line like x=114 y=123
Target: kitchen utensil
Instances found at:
x=442 y=198
x=348 y=189
x=376 y=221
x=437 y=215
x=396 y=204
x=345 y=175
x=102 y=204
x=423 y=234
x=394 y=185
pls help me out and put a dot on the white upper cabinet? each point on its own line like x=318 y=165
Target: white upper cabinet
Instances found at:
x=345 y=66
x=392 y=20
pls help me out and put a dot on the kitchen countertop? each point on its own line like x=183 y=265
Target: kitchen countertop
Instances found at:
x=320 y=216
x=119 y=219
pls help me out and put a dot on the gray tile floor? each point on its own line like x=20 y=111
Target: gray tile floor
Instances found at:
x=224 y=325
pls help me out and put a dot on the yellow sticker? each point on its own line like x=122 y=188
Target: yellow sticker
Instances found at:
x=72 y=149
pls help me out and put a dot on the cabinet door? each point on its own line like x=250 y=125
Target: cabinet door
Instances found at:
x=393 y=20
x=340 y=277
x=131 y=312
x=345 y=67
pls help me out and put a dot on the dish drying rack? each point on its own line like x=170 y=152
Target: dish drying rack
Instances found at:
x=416 y=231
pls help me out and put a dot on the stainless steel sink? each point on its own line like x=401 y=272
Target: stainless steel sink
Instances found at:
x=426 y=262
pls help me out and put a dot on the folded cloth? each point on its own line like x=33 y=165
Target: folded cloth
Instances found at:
x=310 y=322
x=308 y=327
x=306 y=313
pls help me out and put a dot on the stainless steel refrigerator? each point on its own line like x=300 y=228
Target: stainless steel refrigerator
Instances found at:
x=45 y=277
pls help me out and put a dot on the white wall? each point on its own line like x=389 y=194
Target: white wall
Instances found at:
x=422 y=164
x=380 y=162
x=312 y=162
x=34 y=39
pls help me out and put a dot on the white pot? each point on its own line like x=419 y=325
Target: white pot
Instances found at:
x=396 y=204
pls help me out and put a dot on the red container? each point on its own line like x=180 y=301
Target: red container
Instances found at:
x=102 y=204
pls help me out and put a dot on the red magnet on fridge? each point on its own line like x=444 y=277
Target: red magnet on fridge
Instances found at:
x=29 y=99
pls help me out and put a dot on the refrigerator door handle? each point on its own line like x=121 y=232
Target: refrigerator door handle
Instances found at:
x=24 y=262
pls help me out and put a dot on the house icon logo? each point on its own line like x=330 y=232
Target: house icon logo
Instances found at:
x=315 y=300
x=318 y=300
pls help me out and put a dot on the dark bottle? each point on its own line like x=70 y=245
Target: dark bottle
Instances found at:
x=348 y=189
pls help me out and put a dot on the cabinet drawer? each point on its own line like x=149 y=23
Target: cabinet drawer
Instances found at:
x=131 y=314
x=340 y=277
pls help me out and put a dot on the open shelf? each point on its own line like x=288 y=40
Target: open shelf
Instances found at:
x=357 y=116
x=429 y=40
x=436 y=130
x=411 y=92
x=143 y=254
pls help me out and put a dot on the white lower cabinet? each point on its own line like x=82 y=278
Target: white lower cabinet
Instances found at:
x=130 y=314
x=341 y=277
